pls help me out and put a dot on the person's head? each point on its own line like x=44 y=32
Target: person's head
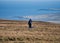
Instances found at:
x=29 y=19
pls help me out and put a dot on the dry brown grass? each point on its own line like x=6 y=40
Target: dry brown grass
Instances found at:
x=18 y=32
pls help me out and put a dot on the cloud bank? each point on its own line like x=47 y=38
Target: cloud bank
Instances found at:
x=55 y=17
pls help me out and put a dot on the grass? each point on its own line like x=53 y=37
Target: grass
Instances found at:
x=18 y=32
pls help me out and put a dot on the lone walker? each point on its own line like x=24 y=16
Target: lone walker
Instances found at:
x=30 y=23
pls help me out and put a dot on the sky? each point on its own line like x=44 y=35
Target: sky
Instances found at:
x=30 y=0
x=38 y=10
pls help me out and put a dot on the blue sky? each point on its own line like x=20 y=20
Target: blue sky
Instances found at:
x=39 y=10
x=30 y=0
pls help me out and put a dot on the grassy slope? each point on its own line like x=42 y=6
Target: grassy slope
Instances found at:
x=18 y=32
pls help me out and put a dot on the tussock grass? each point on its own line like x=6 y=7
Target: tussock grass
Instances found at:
x=18 y=32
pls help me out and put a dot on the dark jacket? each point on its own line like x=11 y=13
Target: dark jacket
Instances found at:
x=30 y=21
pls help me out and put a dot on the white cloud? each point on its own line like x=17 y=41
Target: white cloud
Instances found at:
x=45 y=17
x=41 y=16
x=55 y=21
x=36 y=16
x=54 y=18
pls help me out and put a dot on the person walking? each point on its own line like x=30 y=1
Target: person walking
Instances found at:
x=30 y=23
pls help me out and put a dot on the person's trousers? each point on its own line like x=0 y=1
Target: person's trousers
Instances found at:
x=30 y=25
